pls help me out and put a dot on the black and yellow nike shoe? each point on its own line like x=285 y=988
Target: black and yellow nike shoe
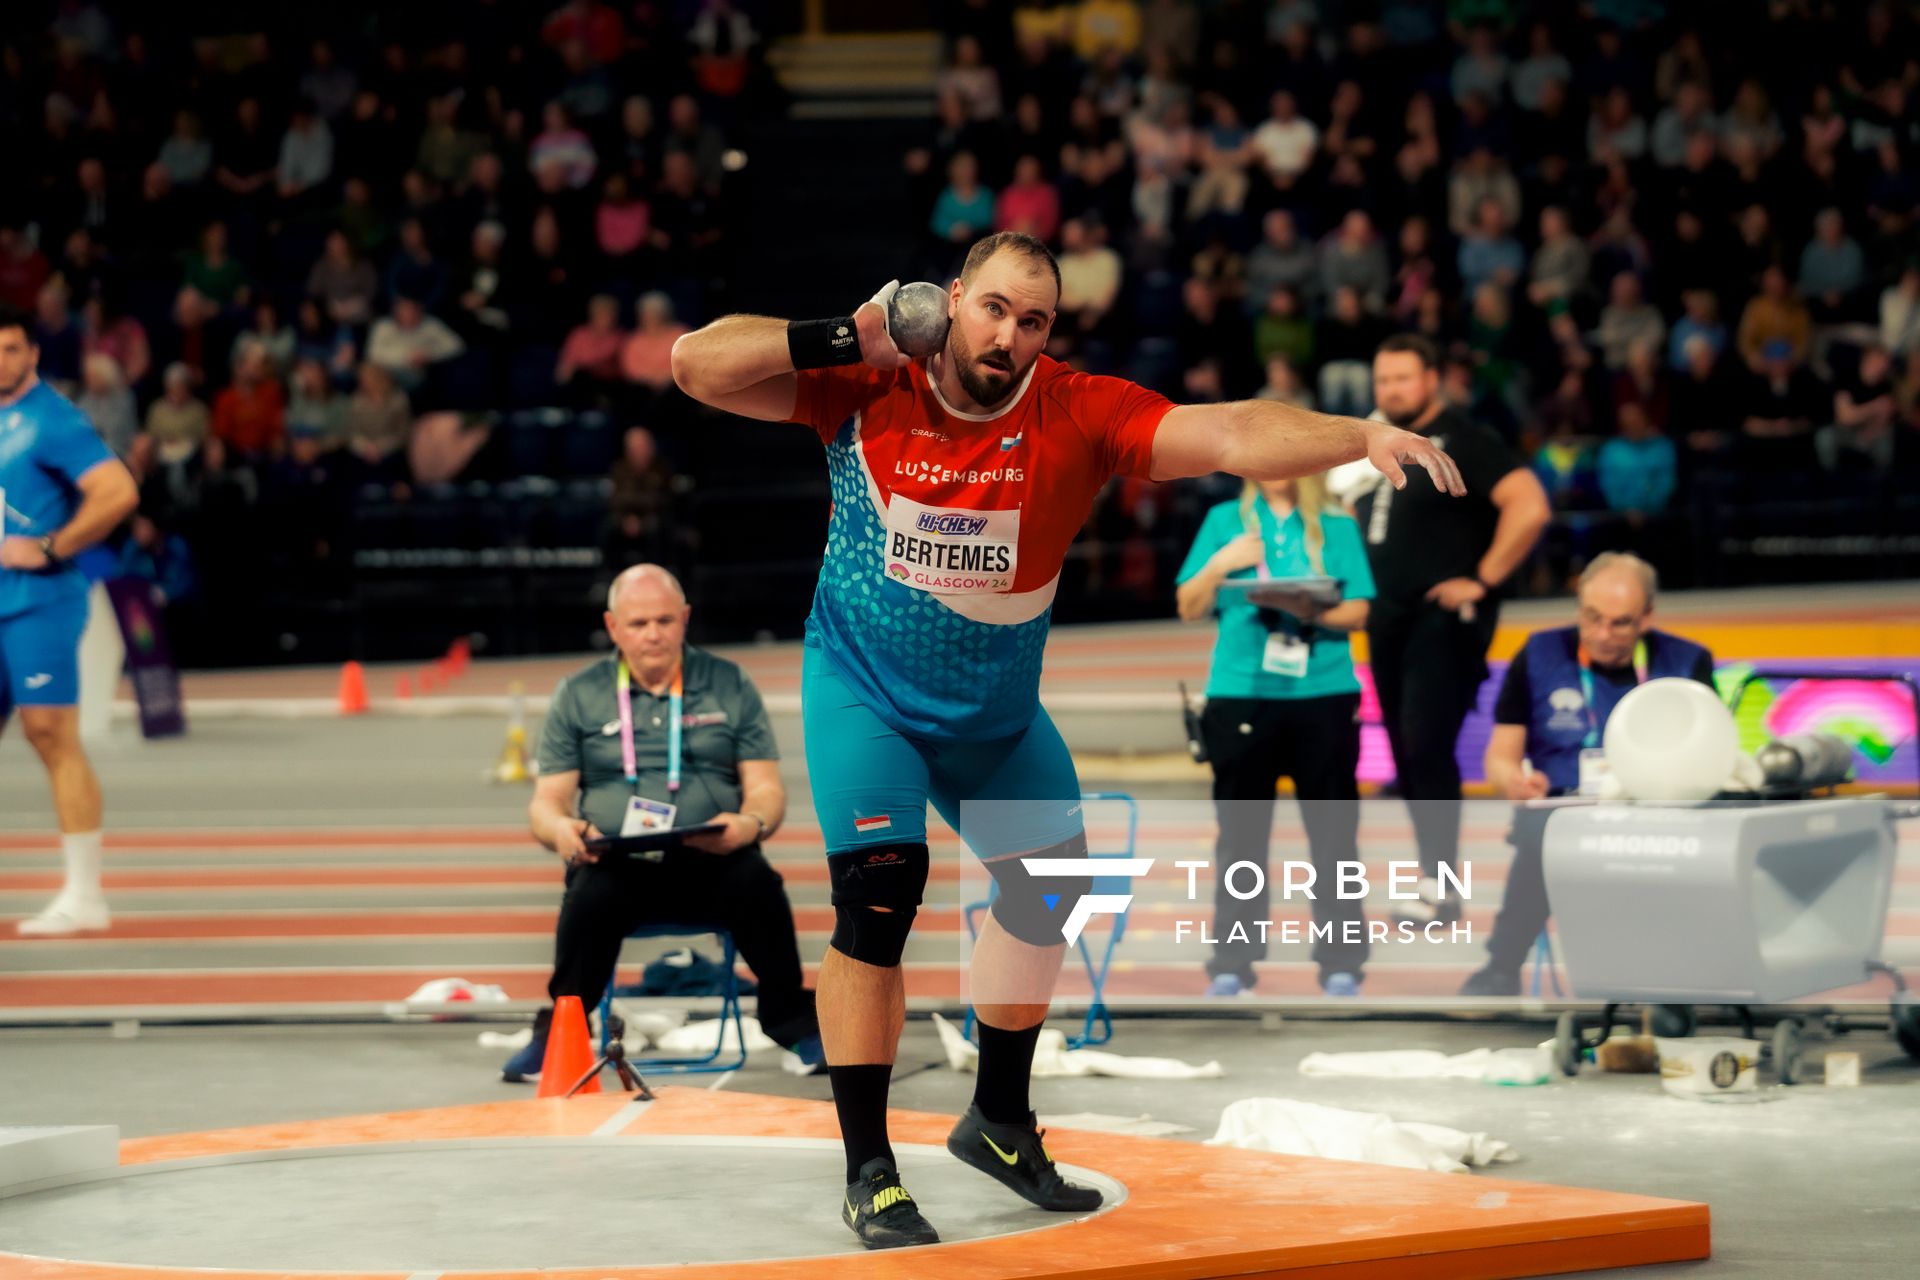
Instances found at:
x=1017 y=1155
x=879 y=1210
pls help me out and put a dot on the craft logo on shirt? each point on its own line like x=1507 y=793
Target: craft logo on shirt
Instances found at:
x=930 y=434
x=934 y=473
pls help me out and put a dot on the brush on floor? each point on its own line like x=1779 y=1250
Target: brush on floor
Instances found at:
x=1632 y=1054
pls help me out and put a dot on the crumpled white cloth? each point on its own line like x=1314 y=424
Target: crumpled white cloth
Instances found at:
x=700 y=1037
x=1400 y=1064
x=1308 y=1129
x=1051 y=1057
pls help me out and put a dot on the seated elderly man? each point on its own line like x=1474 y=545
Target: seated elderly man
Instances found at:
x=662 y=735
x=1549 y=718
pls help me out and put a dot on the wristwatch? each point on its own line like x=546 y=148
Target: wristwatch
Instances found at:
x=759 y=822
x=46 y=549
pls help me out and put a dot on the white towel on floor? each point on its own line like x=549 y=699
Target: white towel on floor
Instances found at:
x=1051 y=1057
x=700 y=1037
x=1308 y=1129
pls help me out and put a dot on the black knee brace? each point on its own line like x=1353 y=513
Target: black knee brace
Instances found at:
x=1033 y=908
x=889 y=876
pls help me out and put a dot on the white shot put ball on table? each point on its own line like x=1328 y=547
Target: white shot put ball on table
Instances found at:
x=917 y=318
x=1671 y=742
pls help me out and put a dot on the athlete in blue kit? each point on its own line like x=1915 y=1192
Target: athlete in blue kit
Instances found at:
x=61 y=491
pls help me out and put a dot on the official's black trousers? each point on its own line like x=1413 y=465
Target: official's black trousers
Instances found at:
x=1316 y=742
x=1428 y=666
x=1523 y=907
x=608 y=899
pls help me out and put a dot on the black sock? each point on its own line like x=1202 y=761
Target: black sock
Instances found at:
x=1005 y=1067
x=860 y=1096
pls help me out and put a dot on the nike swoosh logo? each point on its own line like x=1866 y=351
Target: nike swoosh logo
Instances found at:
x=38 y=682
x=610 y=728
x=1006 y=1158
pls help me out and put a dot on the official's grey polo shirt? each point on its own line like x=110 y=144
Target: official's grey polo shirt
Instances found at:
x=724 y=722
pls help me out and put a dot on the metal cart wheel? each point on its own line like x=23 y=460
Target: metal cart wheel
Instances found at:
x=1566 y=1043
x=1674 y=1021
x=1904 y=1017
x=1786 y=1050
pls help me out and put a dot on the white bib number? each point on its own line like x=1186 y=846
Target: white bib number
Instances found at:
x=950 y=551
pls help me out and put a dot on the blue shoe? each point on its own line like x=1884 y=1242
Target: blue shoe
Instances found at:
x=1225 y=984
x=1344 y=985
x=524 y=1066
x=810 y=1052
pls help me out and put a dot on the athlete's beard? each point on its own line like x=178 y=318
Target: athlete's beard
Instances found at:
x=985 y=384
x=1405 y=421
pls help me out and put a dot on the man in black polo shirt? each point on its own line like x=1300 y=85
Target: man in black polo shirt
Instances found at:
x=692 y=745
x=1438 y=563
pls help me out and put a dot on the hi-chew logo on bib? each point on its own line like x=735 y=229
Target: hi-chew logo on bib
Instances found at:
x=950 y=551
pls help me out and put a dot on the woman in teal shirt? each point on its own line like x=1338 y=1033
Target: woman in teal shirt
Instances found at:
x=1282 y=701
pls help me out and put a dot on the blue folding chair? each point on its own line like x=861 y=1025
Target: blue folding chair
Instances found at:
x=1098 y=1027
x=729 y=1008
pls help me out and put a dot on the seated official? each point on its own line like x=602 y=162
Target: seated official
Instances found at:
x=1549 y=720
x=621 y=769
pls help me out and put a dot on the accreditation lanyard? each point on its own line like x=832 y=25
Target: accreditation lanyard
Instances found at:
x=1586 y=687
x=676 y=700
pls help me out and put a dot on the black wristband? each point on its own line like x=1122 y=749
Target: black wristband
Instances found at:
x=821 y=344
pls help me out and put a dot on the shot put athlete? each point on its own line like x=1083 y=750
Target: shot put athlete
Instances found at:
x=958 y=483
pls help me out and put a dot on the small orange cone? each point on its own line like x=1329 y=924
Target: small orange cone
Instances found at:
x=459 y=654
x=569 y=1051
x=403 y=688
x=353 y=689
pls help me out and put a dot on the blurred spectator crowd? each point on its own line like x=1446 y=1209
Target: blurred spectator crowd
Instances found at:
x=1657 y=241
x=298 y=265
x=290 y=262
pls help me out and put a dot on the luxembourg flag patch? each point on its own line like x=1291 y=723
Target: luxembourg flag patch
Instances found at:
x=866 y=826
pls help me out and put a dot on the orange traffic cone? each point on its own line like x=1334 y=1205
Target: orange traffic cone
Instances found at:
x=353 y=689
x=569 y=1050
x=459 y=654
x=403 y=688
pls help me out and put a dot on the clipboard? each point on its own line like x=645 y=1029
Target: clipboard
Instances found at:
x=1318 y=588
x=649 y=841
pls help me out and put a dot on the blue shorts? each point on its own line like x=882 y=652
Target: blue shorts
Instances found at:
x=871 y=783
x=40 y=655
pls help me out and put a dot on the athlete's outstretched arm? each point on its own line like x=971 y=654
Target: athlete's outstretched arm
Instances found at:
x=1267 y=440
x=745 y=364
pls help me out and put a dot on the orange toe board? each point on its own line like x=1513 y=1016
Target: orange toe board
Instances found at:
x=1191 y=1211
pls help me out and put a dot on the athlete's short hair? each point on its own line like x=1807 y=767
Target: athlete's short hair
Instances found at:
x=13 y=317
x=1033 y=250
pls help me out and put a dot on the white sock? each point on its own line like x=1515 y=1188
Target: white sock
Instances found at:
x=81 y=853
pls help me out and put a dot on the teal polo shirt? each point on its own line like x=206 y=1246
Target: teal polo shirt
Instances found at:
x=1243 y=638
x=723 y=723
